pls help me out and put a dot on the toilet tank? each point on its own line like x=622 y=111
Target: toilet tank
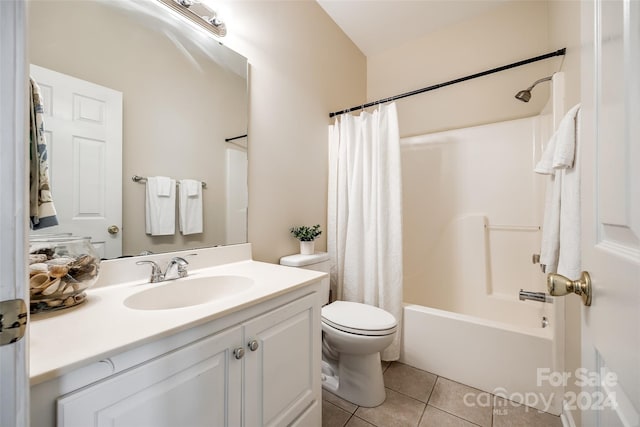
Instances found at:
x=318 y=261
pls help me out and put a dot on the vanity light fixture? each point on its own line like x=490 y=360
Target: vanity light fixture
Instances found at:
x=198 y=13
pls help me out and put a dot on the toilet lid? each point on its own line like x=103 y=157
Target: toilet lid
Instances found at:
x=356 y=318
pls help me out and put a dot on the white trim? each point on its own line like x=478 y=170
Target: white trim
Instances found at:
x=14 y=387
x=567 y=417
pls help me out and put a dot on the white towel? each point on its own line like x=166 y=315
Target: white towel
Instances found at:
x=160 y=210
x=165 y=185
x=545 y=164
x=569 y=258
x=191 y=186
x=550 y=243
x=560 y=150
x=565 y=150
x=190 y=207
x=560 y=246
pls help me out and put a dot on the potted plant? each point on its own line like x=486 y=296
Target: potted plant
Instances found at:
x=306 y=236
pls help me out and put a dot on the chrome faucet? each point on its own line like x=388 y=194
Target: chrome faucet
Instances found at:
x=176 y=268
x=534 y=296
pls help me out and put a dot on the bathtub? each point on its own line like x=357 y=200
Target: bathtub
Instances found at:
x=464 y=266
x=463 y=325
x=499 y=358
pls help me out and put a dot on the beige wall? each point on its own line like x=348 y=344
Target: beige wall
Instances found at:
x=302 y=68
x=506 y=34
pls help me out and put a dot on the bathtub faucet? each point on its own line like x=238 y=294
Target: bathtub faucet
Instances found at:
x=534 y=296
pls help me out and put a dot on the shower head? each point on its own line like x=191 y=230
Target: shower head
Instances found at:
x=525 y=95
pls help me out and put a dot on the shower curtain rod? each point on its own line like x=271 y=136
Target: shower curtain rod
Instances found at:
x=235 y=137
x=558 y=52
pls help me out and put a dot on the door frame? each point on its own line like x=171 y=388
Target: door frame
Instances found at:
x=14 y=387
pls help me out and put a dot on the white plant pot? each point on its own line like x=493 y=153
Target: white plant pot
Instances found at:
x=307 y=248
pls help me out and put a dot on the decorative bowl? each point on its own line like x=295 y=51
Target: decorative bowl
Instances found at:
x=61 y=268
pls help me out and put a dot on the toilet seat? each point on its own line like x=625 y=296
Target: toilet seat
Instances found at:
x=359 y=319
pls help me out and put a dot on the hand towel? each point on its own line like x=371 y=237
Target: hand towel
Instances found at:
x=565 y=147
x=192 y=186
x=160 y=210
x=165 y=184
x=545 y=164
x=190 y=207
x=560 y=246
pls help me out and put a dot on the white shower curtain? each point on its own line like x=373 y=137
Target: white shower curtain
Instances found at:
x=364 y=235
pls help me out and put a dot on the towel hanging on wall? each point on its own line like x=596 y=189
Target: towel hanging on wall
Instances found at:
x=160 y=206
x=42 y=212
x=190 y=206
x=560 y=246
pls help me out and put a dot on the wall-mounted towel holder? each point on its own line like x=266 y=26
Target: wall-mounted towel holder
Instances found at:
x=138 y=178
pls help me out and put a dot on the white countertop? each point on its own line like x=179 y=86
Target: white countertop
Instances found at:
x=103 y=326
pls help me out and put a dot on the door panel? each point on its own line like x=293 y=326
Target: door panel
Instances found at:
x=198 y=385
x=609 y=135
x=284 y=370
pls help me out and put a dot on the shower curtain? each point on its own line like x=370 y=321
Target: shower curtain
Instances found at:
x=364 y=236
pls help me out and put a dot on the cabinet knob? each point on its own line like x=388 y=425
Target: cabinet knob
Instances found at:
x=253 y=345
x=238 y=353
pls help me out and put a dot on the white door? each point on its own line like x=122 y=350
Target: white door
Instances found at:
x=610 y=135
x=14 y=379
x=83 y=127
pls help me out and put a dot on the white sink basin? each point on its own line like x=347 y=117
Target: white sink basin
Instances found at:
x=188 y=292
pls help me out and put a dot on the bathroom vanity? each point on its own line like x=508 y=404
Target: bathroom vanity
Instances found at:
x=248 y=357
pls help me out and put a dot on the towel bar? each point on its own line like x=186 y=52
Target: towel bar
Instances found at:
x=138 y=178
x=512 y=227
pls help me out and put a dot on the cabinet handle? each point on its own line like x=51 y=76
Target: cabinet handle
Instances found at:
x=238 y=353
x=253 y=345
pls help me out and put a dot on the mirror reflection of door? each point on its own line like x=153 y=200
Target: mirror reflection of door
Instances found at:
x=83 y=127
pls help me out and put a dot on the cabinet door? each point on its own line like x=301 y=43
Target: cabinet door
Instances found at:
x=197 y=385
x=282 y=367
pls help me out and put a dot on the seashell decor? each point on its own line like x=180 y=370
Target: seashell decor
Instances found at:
x=60 y=270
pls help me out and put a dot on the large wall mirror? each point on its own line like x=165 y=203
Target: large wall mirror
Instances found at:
x=183 y=96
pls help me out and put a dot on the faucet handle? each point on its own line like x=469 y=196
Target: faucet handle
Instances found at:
x=156 y=272
x=181 y=262
x=176 y=268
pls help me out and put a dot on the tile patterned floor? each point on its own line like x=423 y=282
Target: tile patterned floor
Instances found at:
x=416 y=398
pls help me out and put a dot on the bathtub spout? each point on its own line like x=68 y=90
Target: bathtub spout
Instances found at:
x=534 y=296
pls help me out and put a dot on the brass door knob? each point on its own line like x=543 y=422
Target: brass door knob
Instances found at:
x=113 y=229
x=559 y=286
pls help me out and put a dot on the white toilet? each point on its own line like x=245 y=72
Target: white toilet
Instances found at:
x=353 y=336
